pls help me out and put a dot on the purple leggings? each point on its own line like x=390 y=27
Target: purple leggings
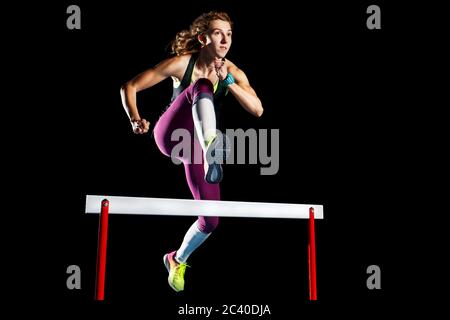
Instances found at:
x=179 y=115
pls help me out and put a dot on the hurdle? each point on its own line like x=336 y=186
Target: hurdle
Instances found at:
x=105 y=205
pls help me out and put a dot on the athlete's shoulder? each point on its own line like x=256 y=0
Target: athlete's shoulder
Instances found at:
x=176 y=61
x=234 y=69
x=230 y=64
x=175 y=65
x=181 y=58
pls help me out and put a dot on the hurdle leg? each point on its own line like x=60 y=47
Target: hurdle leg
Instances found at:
x=101 y=251
x=312 y=257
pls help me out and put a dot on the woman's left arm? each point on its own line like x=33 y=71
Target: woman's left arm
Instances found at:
x=244 y=93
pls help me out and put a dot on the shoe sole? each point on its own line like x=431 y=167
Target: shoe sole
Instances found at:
x=167 y=265
x=214 y=174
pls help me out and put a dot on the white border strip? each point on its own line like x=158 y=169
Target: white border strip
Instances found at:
x=186 y=207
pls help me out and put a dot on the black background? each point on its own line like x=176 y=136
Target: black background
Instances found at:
x=341 y=96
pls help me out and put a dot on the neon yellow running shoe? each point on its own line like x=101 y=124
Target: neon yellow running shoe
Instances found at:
x=176 y=271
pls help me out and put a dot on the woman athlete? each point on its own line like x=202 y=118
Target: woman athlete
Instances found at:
x=201 y=78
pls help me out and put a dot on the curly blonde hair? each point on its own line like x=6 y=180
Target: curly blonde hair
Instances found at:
x=186 y=41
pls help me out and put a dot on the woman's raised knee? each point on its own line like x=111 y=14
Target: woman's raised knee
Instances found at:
x=203 y=85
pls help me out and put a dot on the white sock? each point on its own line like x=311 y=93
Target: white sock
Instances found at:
x=192 y=240
x=204 y=117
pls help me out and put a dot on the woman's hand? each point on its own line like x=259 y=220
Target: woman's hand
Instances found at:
x=221 y=69
x=140 y=126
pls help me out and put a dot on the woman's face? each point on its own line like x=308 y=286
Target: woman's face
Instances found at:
x=219 y=38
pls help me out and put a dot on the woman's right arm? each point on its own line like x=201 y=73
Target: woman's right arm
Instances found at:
x=169 y=67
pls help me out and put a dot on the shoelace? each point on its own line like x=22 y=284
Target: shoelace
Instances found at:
x=181 y=269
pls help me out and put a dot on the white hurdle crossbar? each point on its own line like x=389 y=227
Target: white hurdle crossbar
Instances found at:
x=106 y=205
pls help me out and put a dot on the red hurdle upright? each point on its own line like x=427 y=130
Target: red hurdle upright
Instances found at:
x=101 y=251
x=312 y=257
